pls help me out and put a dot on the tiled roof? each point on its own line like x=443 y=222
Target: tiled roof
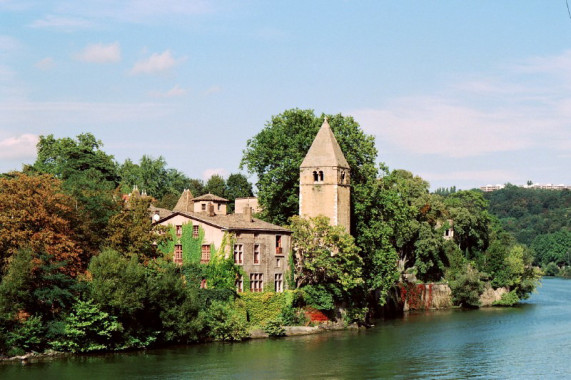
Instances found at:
x=163 y=212
x=210 y=197
x=325 y=150
x=231 y=222
x=185 y=202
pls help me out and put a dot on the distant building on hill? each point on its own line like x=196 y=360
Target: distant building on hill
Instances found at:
x=547 y=186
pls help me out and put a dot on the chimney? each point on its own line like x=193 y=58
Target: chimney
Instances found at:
x=211 y=209
x=248 y=214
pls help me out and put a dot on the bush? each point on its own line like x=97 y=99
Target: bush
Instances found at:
x=274 y=328
x=224 y=322
x=27 y=336
x=320 y=297
x=88 y=329
x=467 y=288
x=551 y=269
x=508 y=299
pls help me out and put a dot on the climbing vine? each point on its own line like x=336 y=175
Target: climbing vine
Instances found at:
x=191 y=246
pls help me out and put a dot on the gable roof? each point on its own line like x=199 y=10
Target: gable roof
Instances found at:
x=185 y=202
x=325 y=150
x=210 y=197
x=231 y=222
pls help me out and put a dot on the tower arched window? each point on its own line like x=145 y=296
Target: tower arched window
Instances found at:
x=315 y=177
x=342 y=177
x=321 y=175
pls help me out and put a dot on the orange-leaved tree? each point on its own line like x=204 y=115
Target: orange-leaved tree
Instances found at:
x=36 y=214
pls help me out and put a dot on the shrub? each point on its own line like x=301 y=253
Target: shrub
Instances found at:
x=27 y=336
x=274 y=328
x=467 y=287
x=225 y=323
x=551 y=269
x=508 y=299
x=88 y=329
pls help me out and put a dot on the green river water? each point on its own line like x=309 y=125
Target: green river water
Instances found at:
x=532 y=340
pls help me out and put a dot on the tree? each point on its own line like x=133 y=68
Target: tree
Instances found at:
x=132 y=233
x=88 y=174
x=324 y=254
x=216 y=185
x=275 y=154
x=36 y=214
x=237 y=186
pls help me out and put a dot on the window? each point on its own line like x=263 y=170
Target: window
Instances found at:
x=178 y=231
x=178 y=254
x=195 y=231
x=203 y=206
x=238 y=254
x=315 y=177
x=279 y=282
x=321 y=176
x=219 y=206
x=279 y=250
x=342 y=177
x=256 y=253
x=278 y=263
x=240 y=284
x=256 y=282
x=205 y=253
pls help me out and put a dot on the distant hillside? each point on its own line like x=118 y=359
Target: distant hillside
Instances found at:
x=528 y=213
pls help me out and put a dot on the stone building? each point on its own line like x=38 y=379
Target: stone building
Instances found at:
x=324 y=183
x=261 y=248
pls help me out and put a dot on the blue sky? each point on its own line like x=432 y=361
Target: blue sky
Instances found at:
x=460 y=93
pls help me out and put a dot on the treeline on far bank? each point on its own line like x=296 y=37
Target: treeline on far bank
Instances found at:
x=81 y=272
x=540 y=219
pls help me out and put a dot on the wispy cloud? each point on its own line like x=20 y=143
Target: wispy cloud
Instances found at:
x=480 y=116
x=213 y=90
x=173 y=92
x=100 y=53
x=206 y=174
x=18 y=147
x=45 y=64
x=62 y=22
x=156 y=63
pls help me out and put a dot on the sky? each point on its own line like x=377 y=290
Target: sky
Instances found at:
x=461 y=93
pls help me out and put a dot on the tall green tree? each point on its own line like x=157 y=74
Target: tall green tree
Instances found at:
x=275 y=154
x=216 y=185
x=237 y=186
x=88 y=173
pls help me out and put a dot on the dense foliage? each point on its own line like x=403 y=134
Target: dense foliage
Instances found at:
x=82 y=270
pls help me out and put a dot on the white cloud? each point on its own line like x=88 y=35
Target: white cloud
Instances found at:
x=173 y=92
x=206 y=174
x=62 y=22
x=213 y=90
x=100 y=53
x=479 y=117
x=156 y=63
x=45 y=64
x=18 y=147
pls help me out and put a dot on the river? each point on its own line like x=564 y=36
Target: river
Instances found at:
x=532 y=340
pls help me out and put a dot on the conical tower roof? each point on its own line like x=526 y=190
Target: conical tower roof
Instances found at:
x=185 y=202
x=325 y=150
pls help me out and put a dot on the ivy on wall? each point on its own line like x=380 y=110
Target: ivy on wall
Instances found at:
x=167 y=246
x=191 y=246
x=264 y=307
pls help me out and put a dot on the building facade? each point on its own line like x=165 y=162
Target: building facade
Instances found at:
x=260 y=248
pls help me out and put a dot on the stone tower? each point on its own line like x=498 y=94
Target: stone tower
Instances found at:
x=324 y=180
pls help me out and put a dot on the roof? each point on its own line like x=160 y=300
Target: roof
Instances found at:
x=325 y=150
x=185 y=202
x=163 y=212
x=210 y=197
x=230 y=222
